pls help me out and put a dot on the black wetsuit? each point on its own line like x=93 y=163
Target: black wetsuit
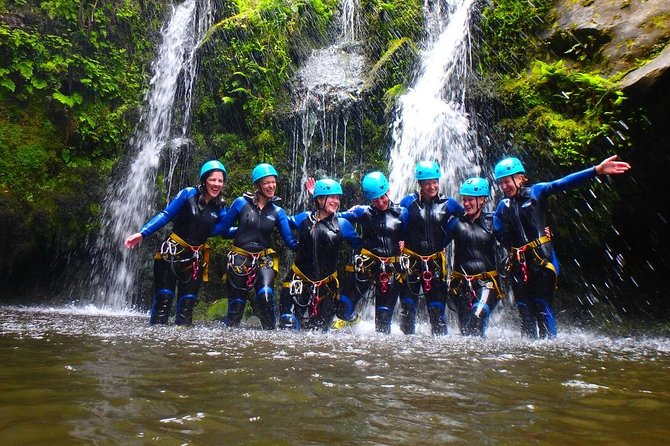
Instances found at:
x=519 y=223
x=473 y=287
x=180 y=262
x=377 y=266
x=425 y=243
x=250 y=264
x=310 y=291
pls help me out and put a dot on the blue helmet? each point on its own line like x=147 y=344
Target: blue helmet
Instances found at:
x=263 y=170
x=327 y=187
x=210 y=166
x=427 y=170
x=507 y=167
x=475 y=187
x=375 y=185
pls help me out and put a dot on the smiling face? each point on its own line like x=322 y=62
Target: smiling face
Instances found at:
x=329 y=203
x=429 y=188
x=267 y=186
x=381 y=203
x=213 y=184
x=473 y=205
x=510 y=184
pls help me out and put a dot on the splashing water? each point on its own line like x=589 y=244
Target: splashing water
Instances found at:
x=130 y=199
x=326 y=90
x=431 y=121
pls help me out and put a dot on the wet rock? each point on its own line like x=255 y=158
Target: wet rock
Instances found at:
x=618 y=34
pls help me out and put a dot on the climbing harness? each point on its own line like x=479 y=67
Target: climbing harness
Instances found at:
x=296 y=288
x=518 y=255
x=173 y=250
x=489 y=278
x=364 y=264
x=250 y=262
x=426 y=274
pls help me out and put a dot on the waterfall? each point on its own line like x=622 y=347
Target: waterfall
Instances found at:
x=431 y=122
x=158 y=141
x=326 y=90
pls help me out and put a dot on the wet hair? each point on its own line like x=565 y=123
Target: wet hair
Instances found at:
x=218 y=201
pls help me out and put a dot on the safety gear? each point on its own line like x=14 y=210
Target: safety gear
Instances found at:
x=184 y=310
x=160 y=307
x=427 y=170
x=210 y=166
x=327 y=187
x=375 y=185
x=235 y=312
x=507 y=167
x=475 y=187
x=263 y=170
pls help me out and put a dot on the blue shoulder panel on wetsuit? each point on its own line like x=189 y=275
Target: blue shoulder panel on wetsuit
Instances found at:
x=222 y=227
x=349 y=233
x=166 y=215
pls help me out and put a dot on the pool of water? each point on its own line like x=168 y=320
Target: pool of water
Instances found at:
x=84 y=376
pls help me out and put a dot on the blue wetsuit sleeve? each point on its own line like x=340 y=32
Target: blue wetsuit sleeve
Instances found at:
x=449 y=229
x=225 y=223
x=285 y=229
x=454 y=207
x=349 y=233
x=166 y=215
x=228 y=233
x=295 y=220
x=407 y=200
x=353 y=214
x=572 y=181
x=498 y=225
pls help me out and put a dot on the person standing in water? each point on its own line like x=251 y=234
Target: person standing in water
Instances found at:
x=310 y=292
x=474 y=289
x=182 y=261
x=377 y=266
x=519 y=223
x=252 y=264
x=425 y=260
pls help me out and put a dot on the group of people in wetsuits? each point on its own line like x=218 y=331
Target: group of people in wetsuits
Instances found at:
x=399 y=254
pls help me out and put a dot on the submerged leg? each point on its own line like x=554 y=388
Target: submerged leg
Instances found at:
x=184 y=311
x=408 y=315
x=160 y=306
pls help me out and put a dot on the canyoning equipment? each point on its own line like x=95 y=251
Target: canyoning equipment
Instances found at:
x=245 y=264
x=318 y=290
x=475 y=187
x=181 y=256
x=507 y=167
x=425 y=268
x=209 y=166
x=427 y=170
x=375 y=271
x=374 y=185
x=482 y=279
x=160 y=306
x=327 y=186
x=518 y=256
x=263 y=170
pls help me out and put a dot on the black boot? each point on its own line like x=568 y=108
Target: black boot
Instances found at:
x=235 y=312
x=408 y=315
x=184 y=311
x=160 y=308
x=438 y=319
x=383 y=317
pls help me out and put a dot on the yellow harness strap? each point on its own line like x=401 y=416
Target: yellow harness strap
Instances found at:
x=516 y=252
x=365 y=252
x=205 y=253
x=256 y=255
x=481 y=276
x=439 y=256
x=303 y=277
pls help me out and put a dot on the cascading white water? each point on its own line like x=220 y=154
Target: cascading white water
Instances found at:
x=158 y=140
x=326 y=88
x=431 y=121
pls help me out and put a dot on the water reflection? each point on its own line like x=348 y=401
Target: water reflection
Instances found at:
x=79 y=377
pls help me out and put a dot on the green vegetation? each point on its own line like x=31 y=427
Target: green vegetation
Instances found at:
x=71 y=77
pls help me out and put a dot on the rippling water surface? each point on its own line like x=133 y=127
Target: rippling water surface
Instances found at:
x=86 y=377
